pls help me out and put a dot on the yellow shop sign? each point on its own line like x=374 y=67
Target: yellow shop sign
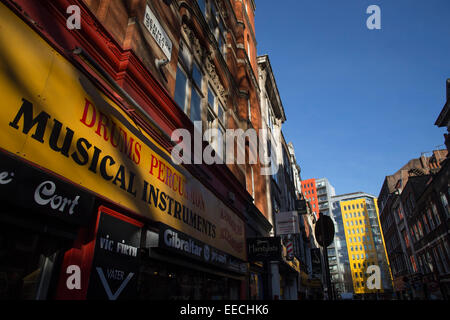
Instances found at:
x=53 y=116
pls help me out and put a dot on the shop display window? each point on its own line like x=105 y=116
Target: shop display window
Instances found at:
x=164 y=281
x=27 y=263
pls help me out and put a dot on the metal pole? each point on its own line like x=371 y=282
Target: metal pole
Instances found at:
x=327 y=268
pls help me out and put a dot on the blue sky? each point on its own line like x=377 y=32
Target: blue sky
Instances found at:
x=359 y=103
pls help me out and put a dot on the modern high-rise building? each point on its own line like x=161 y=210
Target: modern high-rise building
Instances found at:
x=325 y=191
x=309 y=191
x=364 y=243
x=341 y=278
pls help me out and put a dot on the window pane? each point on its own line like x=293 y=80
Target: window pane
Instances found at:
x=211 y=98
x=221 y=44
x=445 y=204
x=273 y=165
x=202 y=5
x=180 y=89
x=185 y=56
x=213 y=9
x=195 y=106
x=210 y=124
x=430 y=218
x=197 y=75
x=221 y=113
x=221 y=27
x=220 y=142
x=436 y=214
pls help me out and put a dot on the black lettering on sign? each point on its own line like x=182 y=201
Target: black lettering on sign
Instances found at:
x=80 y=151
x=26 y=111
x=85 y=154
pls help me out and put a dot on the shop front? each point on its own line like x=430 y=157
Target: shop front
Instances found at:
x=281 y=273
x=39 y=218
x=289 y=278
x=118 y=218
x=176 y=266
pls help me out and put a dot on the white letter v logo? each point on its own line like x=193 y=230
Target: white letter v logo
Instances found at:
x=112 y=296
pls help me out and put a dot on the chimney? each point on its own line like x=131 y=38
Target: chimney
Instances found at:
x=424 y=161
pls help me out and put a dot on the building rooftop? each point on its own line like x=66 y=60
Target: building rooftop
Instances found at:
x=351 y=195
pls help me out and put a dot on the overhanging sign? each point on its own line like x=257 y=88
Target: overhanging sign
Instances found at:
x=264 y=249
x=287 y=223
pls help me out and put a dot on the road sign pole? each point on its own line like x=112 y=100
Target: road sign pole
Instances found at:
x=325 y=257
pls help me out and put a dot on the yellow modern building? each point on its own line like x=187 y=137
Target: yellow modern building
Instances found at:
x=365 y=242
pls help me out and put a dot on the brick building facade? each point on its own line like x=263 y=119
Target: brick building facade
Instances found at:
x=128 y=78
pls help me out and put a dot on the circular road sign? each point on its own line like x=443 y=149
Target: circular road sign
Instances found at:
x=324 y=230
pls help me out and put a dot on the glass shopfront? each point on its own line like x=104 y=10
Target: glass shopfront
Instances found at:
x=28 y=263
x=39 y=219
x=164 y=281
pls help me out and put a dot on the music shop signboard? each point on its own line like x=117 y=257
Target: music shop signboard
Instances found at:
x=55 y=117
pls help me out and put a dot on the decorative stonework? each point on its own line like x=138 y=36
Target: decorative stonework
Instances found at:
x=199 y=52
x=206 y=57
x=211 y=69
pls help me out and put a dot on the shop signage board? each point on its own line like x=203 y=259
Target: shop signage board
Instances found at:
x=183 y=244
x=287 y=223
x=33 y=189
x=116 y=260
x=264 y=249
x=53 y=116
x=300 y=206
